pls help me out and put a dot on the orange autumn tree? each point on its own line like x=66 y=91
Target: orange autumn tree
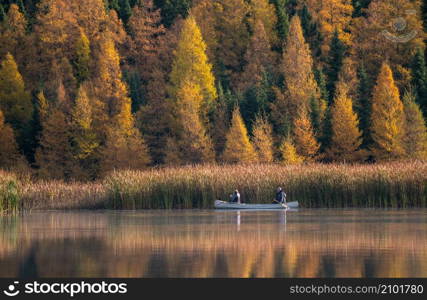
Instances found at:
x=387 y=117
x=238 y=148
x=54 y=157
x=12 y=31
x=297 y=68
x=264 y=11
x=55 y=29
x=146 y=33
x=332 y=15
x=259 y=59
x=124 y=147
x=155 y=117
x=346 y=136
x=378 y=35
x=10 y=158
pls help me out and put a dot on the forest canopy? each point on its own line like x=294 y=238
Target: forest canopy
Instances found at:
x=90 y=86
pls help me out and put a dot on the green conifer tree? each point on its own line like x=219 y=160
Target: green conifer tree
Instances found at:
x=363 y=105
x=82 y=58
x=125 y=11
x=335 y=63
x=419 y=79
x=2 y=13
x=282 y=26
x=311 y=31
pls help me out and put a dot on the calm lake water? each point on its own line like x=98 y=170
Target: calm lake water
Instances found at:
x=307 y=243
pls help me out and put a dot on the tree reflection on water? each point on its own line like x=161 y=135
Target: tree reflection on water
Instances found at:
x=310 y=243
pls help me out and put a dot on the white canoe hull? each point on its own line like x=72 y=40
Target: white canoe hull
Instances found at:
x=227 y=205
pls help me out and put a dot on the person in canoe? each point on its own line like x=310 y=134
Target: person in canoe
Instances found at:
x=280 y=196
x=235 y=197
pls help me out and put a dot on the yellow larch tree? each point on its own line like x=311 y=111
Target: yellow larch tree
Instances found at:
x=124 y=147
x=303 y=134
x=15 y=101
x=238 y=148
x=289 y=153
x=346 y=136
x=195 y=145
x=387 y=117
x=262 y=138
x=82 y=57
x=84 y=140
x=122 y=152
x=42 y=106
x=415 y=139
x=191 y=63
x=297 y=68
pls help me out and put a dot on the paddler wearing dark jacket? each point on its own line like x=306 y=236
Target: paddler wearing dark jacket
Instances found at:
x=235 y=197
x=280 y=195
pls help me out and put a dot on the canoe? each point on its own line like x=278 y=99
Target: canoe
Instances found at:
x=227 y=205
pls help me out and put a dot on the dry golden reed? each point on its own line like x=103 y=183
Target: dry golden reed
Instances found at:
x=388 y=185
x=399 y=184
x=9 y=193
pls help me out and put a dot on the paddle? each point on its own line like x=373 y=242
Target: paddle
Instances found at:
x=283 y=204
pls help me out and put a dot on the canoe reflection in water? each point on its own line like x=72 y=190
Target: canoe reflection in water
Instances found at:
x=281 y=214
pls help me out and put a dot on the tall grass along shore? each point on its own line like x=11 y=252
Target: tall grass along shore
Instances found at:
x=390 y=185
x=9 y=196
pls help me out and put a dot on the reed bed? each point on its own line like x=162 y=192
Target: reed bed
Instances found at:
x=63 y=195
x=9 y=193
x=389 y=185
x=392 y=185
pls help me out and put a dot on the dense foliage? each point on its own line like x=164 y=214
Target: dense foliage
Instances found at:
x=91 y=86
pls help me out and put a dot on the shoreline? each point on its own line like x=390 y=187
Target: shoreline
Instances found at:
x=386 y=185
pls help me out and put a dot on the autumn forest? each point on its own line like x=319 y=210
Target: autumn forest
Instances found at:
x=91 y=86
